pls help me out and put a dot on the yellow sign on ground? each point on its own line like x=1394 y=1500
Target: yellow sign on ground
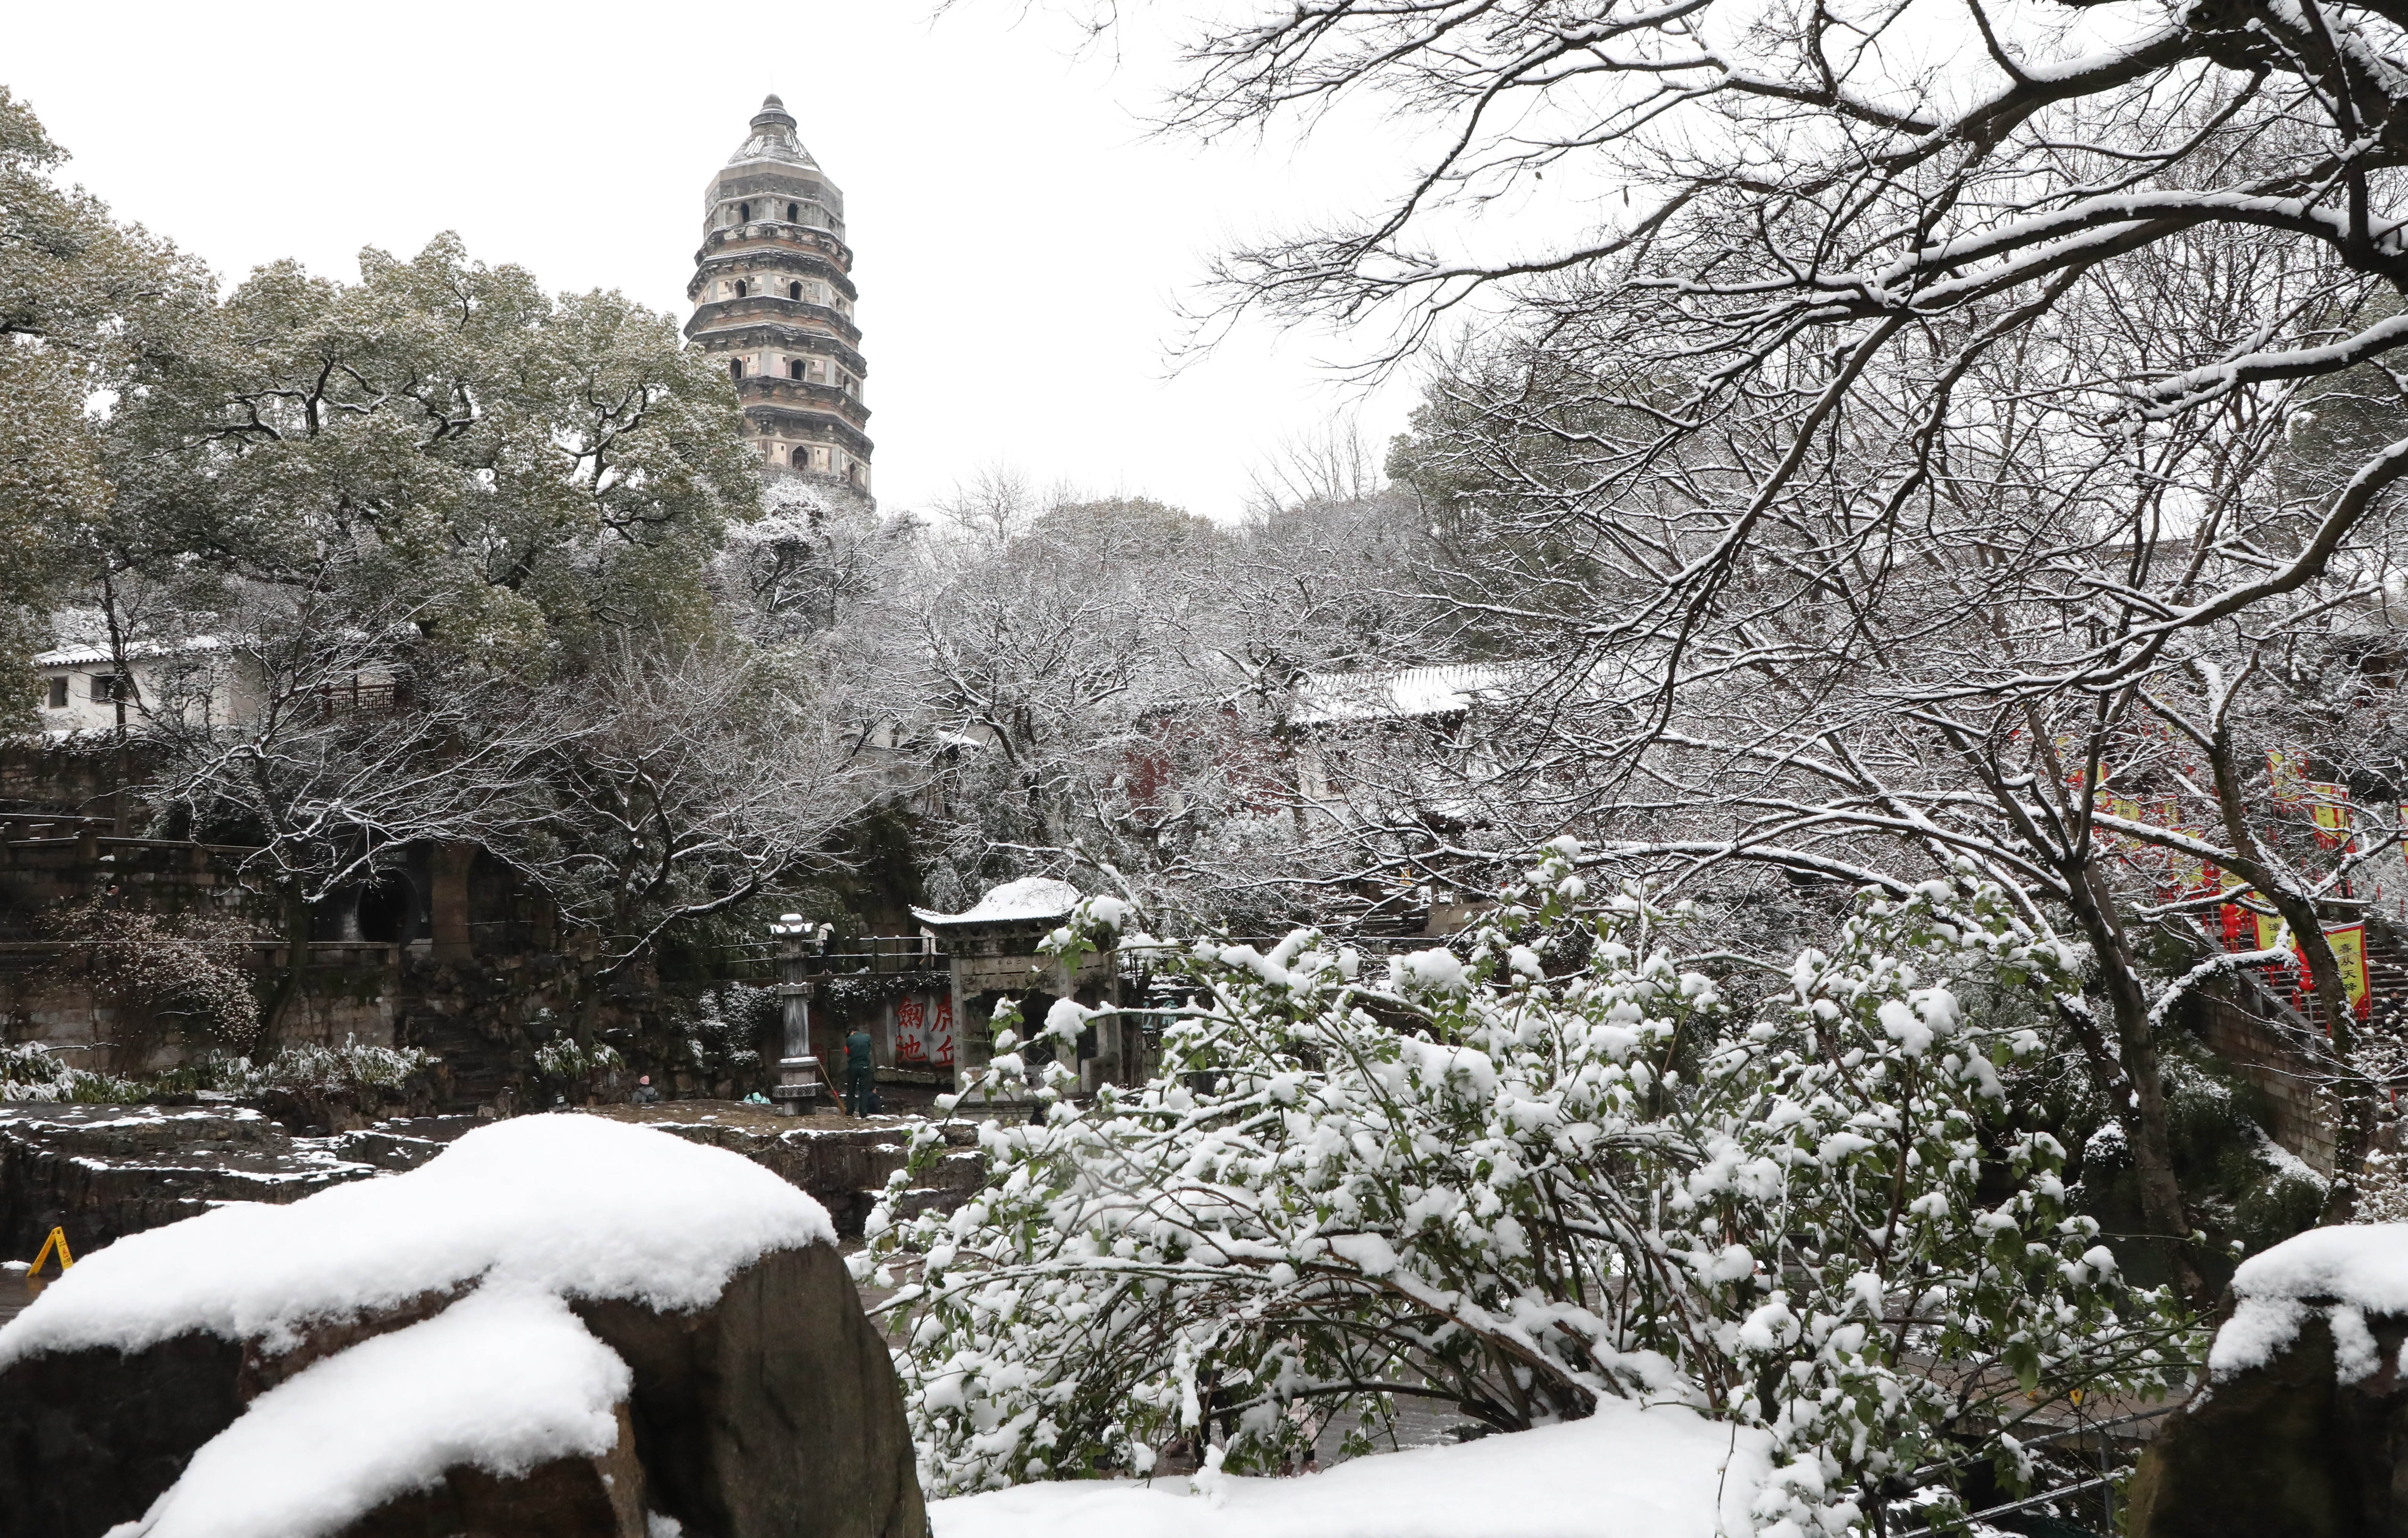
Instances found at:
x=57 y=1241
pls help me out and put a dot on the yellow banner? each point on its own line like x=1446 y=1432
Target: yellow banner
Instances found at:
x=2286 y=777
x=2270 y=932
x=2348 y=944
x=2331 y=811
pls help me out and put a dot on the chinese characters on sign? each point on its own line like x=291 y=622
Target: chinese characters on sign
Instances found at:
x=924 y=1029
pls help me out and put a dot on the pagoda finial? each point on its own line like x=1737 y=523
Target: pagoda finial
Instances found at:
x=772 y=111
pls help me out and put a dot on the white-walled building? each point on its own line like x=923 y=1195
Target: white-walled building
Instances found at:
x=85 y=689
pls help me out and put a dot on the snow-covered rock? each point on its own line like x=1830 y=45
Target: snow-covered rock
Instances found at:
x=1627 y=1472
x=563 y=1325
x=504 y=1382
x=2301 y=1427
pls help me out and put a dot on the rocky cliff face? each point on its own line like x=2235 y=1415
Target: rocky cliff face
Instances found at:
x=841 y=1163
x=103 y=1172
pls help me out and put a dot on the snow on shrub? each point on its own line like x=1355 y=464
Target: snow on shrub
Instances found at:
x=29 y=1071
x=184 y=968
x=1519 y=1195
x=308 y=1065
x=564 y=1057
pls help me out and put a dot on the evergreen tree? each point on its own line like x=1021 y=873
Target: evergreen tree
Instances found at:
x=81 y=299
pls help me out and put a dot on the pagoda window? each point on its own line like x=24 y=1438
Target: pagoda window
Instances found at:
x=744 y=213
x=794 y=213
x=794 y=290
x=736 y=368
x=795 y=367
x=740 y=288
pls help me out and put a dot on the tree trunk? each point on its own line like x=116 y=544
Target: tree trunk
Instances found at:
x=2354 y=1134
x=2153 y=1159
x=297 y=918
x=2354 y=1131
x=447 y=902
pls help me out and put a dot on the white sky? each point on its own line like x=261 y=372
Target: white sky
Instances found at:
x=1020 y=240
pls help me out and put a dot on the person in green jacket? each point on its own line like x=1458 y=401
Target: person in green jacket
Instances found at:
x=860 y=1073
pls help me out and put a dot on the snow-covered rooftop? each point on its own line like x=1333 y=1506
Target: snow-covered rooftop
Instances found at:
x=1030 y=897
x=773 y=138
x=570 y=1205
x=1441 y=689
x=86 y=655
x=1664 y=1471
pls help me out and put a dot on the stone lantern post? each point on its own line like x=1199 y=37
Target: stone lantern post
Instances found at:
x=799 y=1079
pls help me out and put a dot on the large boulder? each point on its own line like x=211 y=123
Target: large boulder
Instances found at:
x=563 y=1326
x=2301 y=1427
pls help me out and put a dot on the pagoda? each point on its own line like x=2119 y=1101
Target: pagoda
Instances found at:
x=773 y=301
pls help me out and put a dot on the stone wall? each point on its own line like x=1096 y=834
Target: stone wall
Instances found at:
x=47 y=995
x=47 y=861
x=2278 y=1070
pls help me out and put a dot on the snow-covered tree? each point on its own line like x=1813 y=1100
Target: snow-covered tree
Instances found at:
x=81 y=299
x=526 y=473
x=1882 y=405
x=680 y=784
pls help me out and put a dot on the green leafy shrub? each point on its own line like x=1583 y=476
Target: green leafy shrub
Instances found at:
x=1484 y=1181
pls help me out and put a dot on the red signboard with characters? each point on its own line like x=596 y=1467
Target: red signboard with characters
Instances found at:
x=924 y=1029
x=940 y=1031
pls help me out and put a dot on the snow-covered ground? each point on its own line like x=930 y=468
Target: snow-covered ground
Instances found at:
x=1627 y=1473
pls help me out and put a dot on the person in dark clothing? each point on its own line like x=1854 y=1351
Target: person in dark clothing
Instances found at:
x=645 y=1094
x=860 y=1073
